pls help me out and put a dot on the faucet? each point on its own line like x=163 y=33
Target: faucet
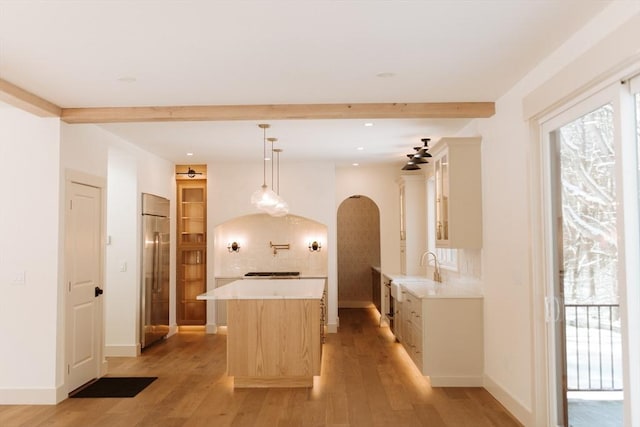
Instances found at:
x=436 y=271
x=278 y=247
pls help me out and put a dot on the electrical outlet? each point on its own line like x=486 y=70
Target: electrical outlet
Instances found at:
x=123 y=266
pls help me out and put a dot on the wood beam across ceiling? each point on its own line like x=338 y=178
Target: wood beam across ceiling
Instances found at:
x=280 y=112
x=27 y=101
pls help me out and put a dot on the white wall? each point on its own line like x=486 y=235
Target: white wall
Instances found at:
x=29 y=242
x=130 y=171
x=508 y=212
x=308 y=187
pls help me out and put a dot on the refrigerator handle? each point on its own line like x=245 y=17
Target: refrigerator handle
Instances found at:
x=156 y=262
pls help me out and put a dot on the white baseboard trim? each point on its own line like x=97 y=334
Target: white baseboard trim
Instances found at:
x=211 y=328
x=332 y=328
x=513 y=405
x=173 y=329
x=31 y=396
x=456 y=381
x=122 y=350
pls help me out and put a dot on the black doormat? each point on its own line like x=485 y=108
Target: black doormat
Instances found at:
x=115 y=387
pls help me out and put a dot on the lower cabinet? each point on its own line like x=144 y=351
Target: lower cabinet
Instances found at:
x=444 y=338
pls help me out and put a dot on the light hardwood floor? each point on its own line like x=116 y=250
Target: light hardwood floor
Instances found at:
x=367 y=380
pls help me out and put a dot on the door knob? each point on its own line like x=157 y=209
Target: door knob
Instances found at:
x=98 y=291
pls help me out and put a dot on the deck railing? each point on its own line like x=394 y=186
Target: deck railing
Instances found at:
x=594 y=352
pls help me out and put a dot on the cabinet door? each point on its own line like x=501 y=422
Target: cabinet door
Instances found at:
x=458 y=194
x=191 y=283
x=398 y=321
x=192 y=252
x=192 y=213
x=442 y=199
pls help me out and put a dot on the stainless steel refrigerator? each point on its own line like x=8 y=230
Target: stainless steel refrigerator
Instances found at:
x=154 y=310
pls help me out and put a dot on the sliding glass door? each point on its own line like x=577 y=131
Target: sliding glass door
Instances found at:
x=592 y=226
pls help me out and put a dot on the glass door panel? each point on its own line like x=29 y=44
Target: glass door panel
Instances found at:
x=587 y=286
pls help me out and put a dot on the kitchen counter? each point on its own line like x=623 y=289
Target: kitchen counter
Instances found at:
x=267 y=289
x=423 y=287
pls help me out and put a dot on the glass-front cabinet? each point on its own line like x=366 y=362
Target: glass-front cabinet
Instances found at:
x=458 y=193
x=192 y=245
x=442 y=198
x=193 y=208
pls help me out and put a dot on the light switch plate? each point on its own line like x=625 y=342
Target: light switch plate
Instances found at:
x=19 y=278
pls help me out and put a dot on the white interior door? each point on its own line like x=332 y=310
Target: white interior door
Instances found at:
x=84 y=323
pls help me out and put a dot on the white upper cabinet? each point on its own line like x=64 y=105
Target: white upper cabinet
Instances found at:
x=457 y=171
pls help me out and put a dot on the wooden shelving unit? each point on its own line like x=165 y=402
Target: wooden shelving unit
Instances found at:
x=191 y=246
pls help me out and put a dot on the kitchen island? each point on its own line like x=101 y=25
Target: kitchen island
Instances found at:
x=274 y=331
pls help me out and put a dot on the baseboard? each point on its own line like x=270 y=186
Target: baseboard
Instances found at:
x=211 y=328
x=173 y=329
x=122 y=350
x=514 y=406
x=355 y=304
x=332 y=328
x=31 y=396
x=456 y=381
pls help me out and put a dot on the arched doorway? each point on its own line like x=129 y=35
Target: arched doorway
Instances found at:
x=358 y=230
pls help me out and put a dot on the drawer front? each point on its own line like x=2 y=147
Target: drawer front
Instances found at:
x=413 y=310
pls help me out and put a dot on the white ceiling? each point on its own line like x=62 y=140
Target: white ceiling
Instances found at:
x=97 y=53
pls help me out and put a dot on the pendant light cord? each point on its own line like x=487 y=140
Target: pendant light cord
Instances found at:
x=278 y=173
x=264 y=157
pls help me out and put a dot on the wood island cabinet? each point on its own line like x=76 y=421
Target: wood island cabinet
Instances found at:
x=191 y=247
x=275 y=330
x=458 y=193
x=274 y=342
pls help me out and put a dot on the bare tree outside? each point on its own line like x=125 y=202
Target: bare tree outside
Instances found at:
x=589 y=209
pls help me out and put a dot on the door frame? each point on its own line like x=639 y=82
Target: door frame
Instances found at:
x=543 y=257
x=77 y=177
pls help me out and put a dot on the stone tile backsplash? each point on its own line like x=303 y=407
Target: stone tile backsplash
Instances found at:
x=255 y=232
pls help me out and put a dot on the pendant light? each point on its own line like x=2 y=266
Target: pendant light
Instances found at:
x=411 y=165
x=264 y=198
x=423 y=153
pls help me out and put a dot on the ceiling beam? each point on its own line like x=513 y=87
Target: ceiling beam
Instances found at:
x=280 y=112
x=20 y=98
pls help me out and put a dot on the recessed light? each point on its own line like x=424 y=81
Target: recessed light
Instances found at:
x=189 y=154
x=385 y=75
x=368 y=124
x=360 y=148
x=355 y=164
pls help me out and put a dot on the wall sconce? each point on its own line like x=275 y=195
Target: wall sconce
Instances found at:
x=233 y=247
x=315 y=246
